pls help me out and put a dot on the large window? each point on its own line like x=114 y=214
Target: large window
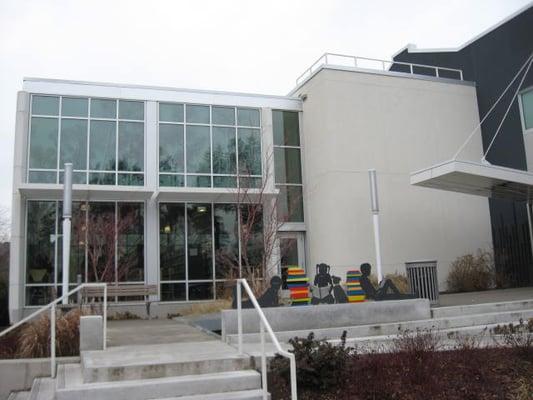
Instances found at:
x=200 y=249
x=209 y=146
x=287 y=165
x=103 y=138
x=526 y=103
x=107 y=245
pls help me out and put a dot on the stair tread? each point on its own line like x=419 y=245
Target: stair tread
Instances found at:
x=239 y=395
x=158 y=381
x=43 y=389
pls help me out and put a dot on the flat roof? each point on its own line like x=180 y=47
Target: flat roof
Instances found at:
x=478 y=179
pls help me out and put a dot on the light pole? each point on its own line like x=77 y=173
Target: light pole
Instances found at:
x=375 y=218
x=67 y=215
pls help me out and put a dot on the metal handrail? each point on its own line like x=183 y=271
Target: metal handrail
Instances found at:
x=263 y=324
x=52 y=307
x=323 y=60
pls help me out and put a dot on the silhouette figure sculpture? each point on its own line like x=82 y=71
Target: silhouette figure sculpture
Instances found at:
x=382 y=292
x=323 y=286
x=268 y=299
x=338 y=291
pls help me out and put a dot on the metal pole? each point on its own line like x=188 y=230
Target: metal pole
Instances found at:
x=67 y=215
x=53 y=341
x=375 y=219
x=239 y=315
x=104 y=322
x=263 y=361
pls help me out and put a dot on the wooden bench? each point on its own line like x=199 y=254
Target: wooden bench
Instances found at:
x=122 y=290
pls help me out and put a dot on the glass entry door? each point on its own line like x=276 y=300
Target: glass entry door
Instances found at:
x=292 y=253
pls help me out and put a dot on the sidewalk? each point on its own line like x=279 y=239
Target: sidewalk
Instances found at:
x=488 y=296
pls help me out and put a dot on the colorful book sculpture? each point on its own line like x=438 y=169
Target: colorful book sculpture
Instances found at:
x=298 y=285
x=354 y=290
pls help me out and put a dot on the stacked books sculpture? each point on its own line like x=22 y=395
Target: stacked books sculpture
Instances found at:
x=354 y=290
x=298 y=285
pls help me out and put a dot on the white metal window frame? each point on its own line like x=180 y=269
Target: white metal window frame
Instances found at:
x=57 y=284
x=186 y=281
x=58 y=170
x=185 y=174
x=521 y=110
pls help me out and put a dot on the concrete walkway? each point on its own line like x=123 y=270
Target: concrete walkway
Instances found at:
x=153 y=331
x=488 y=296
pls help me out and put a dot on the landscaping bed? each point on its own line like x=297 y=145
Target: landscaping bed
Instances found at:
x=415 y=369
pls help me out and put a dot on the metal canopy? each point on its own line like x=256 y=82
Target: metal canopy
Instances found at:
x=477 y=179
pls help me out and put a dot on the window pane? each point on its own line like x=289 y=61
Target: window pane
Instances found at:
x=198 y=149
x=131 y=179
x=79 y=178
x=41 y=239
x=171 y=180
x=130 y=246
x=248 y=117
x=131 y=146
x=170 y=148
x=73 y=143
x=102 y=149
x=290 y=203
x=172 y=241
x=225 y=181
x=224 y=158
x=226 y=241
x=98 y=178
x=43 y=143
x=103 y=108
x=249 y=151
x=39 y=295
x=42 y=177
x=200 y=291
x=131 y=110
x=286 y=128
x=170 y=112
x=250 y=182
x=77 y=247
x=224 y=115
x=45 y=105
x=287 y=165
x=74 y=107
x=198 y=114
x=198 y=181
x=173 y=292
x=200 y=249
x=252 y=248
x=527 y=107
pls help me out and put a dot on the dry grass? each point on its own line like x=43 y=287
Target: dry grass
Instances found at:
x=206 y=308
x=399 y=280
x=471 y=272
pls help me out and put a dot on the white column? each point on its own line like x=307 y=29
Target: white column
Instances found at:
x=67 y=215
x=375 y=219
x=18 y=210
x=151 y=240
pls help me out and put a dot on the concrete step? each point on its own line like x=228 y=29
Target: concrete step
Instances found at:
x=240 y=395
x=456 y=311
x=449 y=323
x=161 y=360
x=19 y=395
x=159 y=388
x=43 y=389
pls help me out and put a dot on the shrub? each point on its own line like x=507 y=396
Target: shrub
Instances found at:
x=399 y=280
x=320 y=365
x=519 y=337
x=472 y=272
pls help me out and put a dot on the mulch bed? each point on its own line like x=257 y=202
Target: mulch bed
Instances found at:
x=466 y=374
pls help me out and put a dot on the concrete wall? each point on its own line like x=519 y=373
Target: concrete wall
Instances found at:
x=353 y=121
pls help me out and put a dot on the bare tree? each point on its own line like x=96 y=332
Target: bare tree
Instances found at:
x=5 y=224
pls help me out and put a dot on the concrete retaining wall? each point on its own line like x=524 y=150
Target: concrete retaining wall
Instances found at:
x=17 y=375
x=328 y=316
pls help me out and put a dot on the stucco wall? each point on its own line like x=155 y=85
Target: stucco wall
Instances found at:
x=353 y=121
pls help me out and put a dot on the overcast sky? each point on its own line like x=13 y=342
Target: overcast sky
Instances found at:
x=246 y=45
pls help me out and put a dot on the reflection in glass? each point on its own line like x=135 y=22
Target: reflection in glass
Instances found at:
x=249 y=151
x=173 y=292
x=171 y=180
x=45 y=105
x=73 y=143
x=199 y=242
x=224 y=157
x=172 y=241
x=248 y=117
x=290 y=203
x=130 y=245
x=286 y=128
x=101 y=108
x=223 y=115
x=41 y=239
x=199 y=181
x=169 y=112
x=130 y=146
x=252 y=251
x=198 y=114
x=170 y=148
x=131 y=110
x=200 y=290
x=74 y=107
x=287 y=165
x=226 y=239
x=198 y=149
x=102 y=148
x=43 y=143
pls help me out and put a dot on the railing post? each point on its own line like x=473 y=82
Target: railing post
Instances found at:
x=437 y=71
x=263 y=361
x=461 y=74
x=411 y=68
x=294 y=391
x=104 y=322
x=53 y=341
x=239 y=315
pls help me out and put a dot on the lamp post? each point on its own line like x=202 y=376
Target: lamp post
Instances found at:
x=67 y=215
x=375 y=218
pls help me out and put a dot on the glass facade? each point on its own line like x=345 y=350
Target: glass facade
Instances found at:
x=288 y=165
x=107 y=245
x=209 y=146
x=103 y=138
x=199 y=248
